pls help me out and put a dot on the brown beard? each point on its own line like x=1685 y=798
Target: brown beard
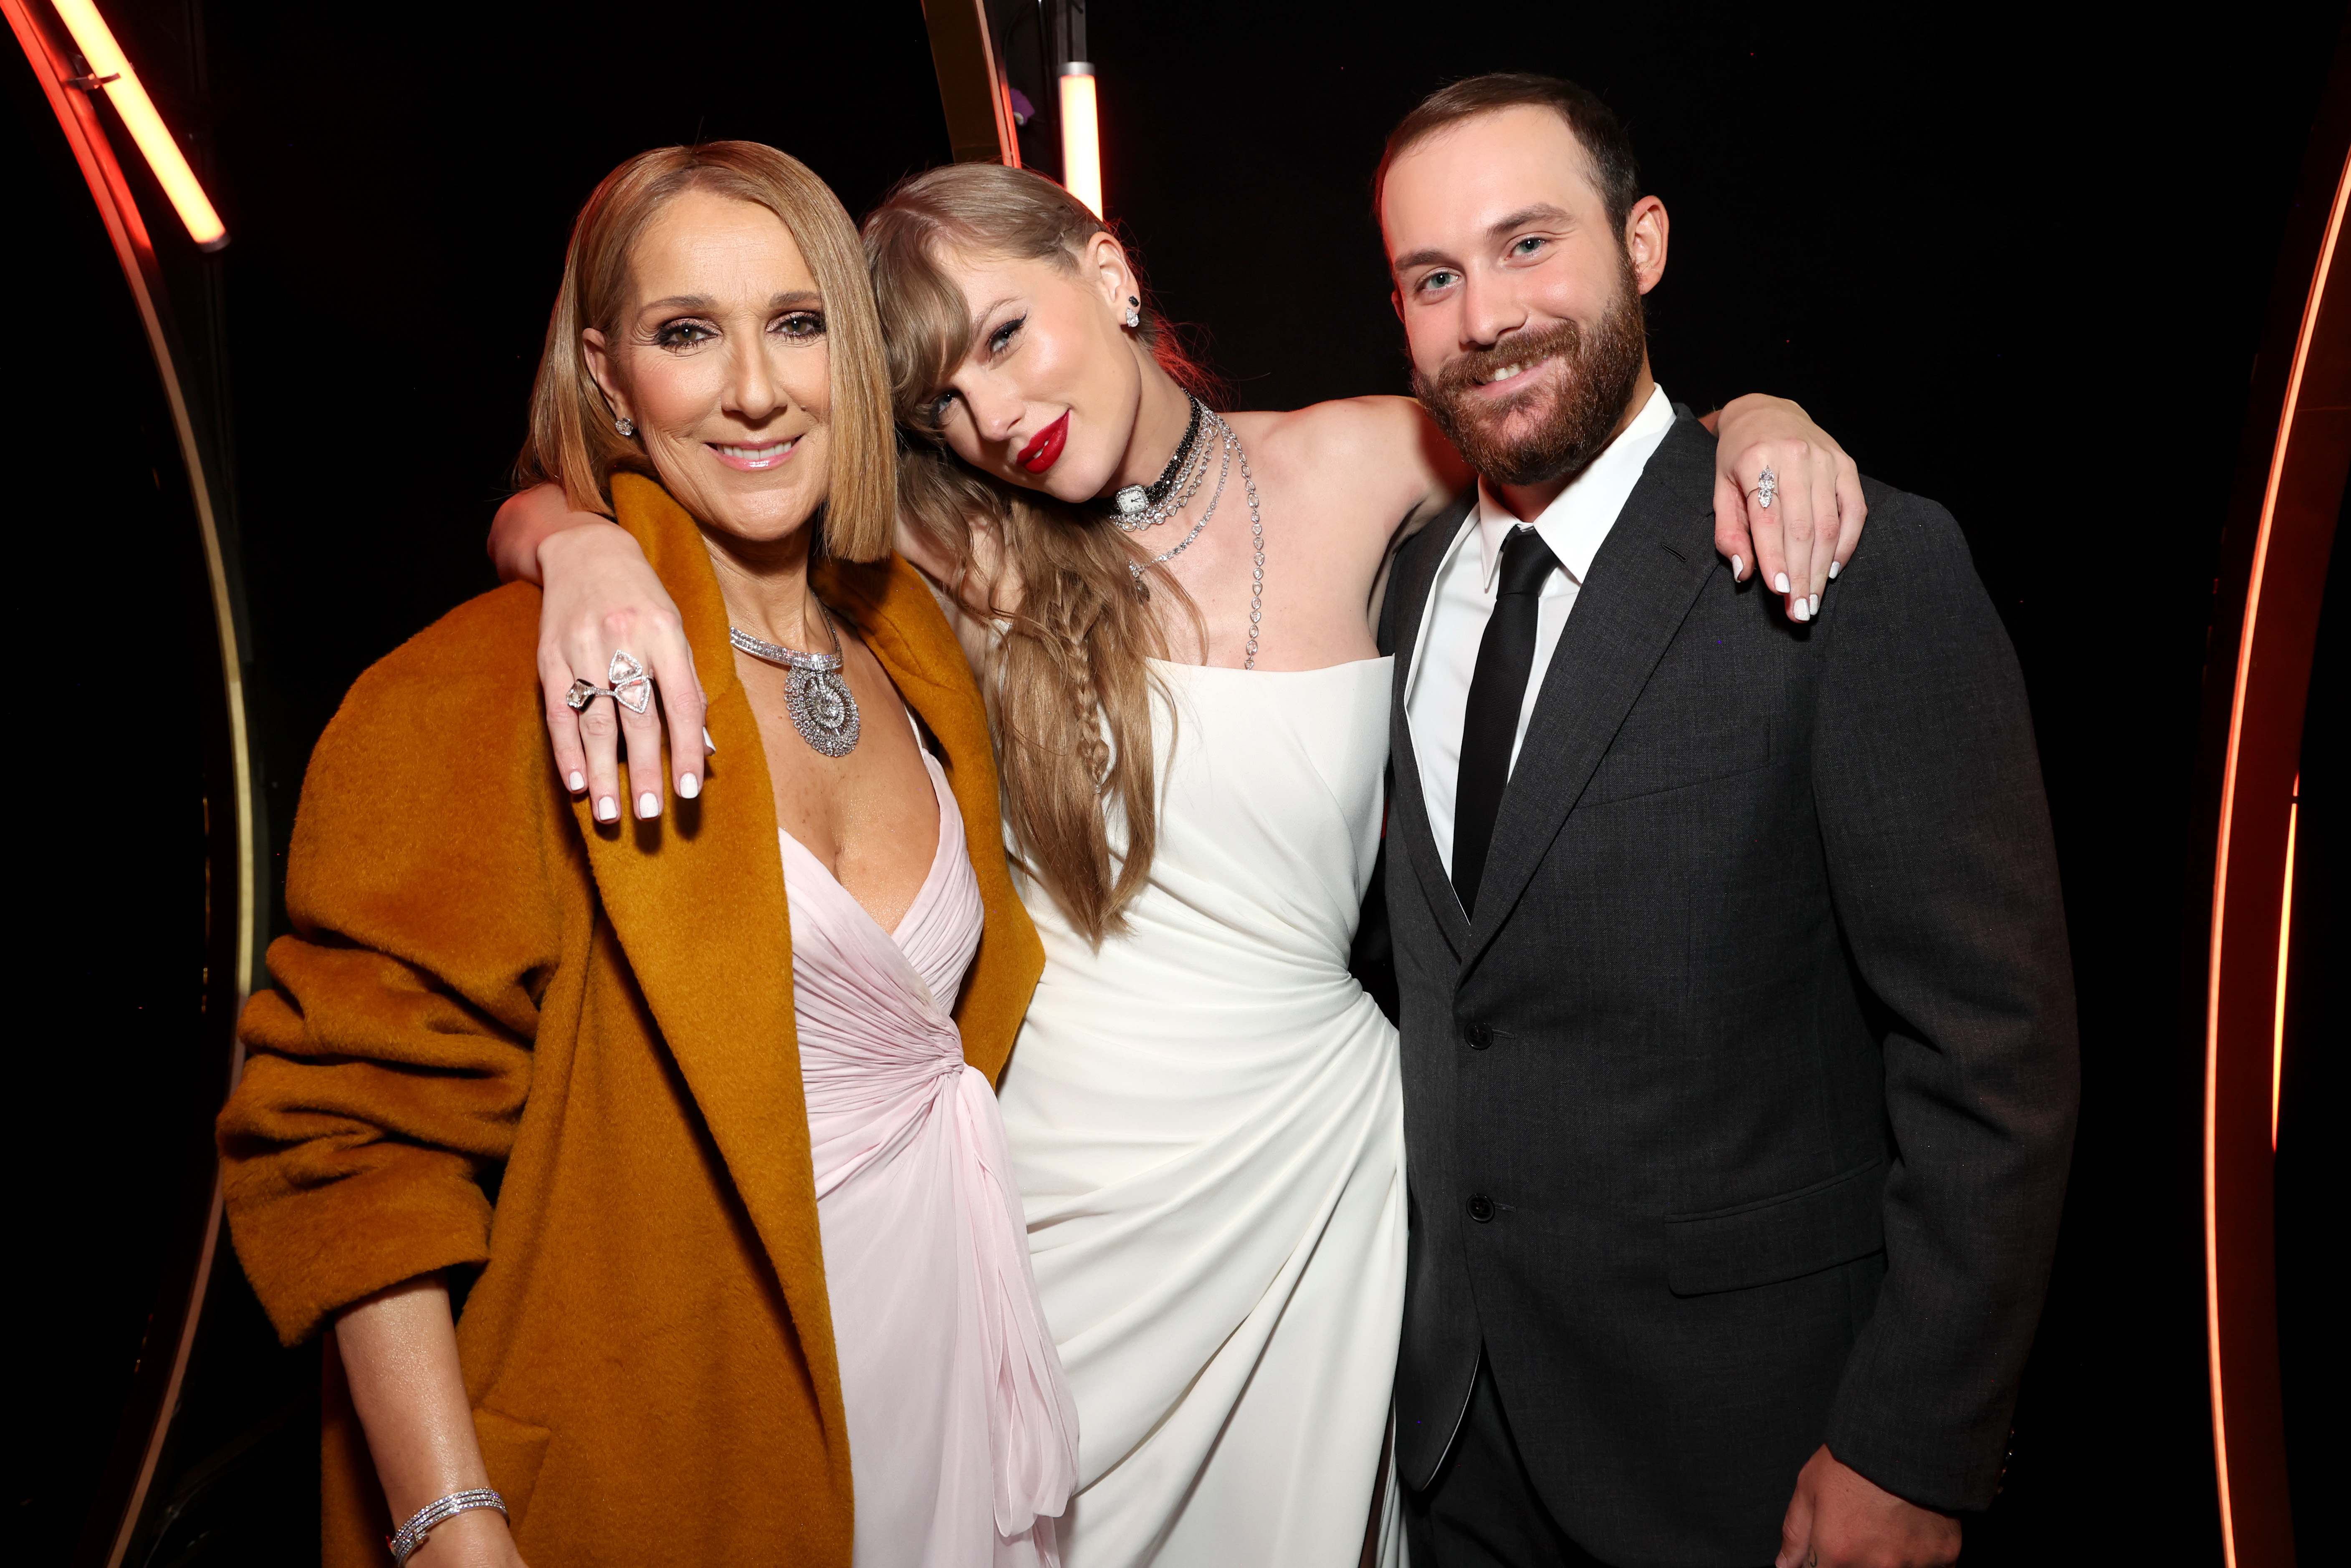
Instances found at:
x=1581 y=418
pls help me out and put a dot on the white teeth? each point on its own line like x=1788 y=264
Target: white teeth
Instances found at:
x=1505 y=373
x=753 y=454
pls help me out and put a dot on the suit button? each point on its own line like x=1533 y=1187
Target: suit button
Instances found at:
x=1481 y=1207
x=1479 y=1036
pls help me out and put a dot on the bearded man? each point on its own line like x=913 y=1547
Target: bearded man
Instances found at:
x=1737 y=1022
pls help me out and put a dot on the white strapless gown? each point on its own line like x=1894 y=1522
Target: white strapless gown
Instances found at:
x=1207 y=1124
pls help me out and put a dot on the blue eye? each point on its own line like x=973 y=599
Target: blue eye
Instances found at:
x=1439 y=280
x=1002 y=335
x=1526 y=246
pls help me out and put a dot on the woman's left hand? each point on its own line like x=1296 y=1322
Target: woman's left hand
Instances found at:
x=1802 y=535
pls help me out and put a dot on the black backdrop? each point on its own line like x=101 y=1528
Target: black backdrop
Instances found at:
x=2015 y=263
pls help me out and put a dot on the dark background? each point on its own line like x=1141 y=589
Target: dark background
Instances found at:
x=2015 y=262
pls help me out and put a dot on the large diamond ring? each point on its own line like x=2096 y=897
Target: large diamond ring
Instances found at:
x=630 y=687
x=1767 y=485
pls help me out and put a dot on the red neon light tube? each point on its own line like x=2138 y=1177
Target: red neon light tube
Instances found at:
x=96 y=41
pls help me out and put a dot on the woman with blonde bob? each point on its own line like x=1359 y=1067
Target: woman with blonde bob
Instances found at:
x=1171 y=609
x=696 y=1112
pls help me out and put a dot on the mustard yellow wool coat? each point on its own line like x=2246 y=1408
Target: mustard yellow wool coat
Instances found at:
x=507 y=1037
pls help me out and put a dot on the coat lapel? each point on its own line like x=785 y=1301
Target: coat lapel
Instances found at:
x=1656 y=557
x=1415 y=574
x=696 y=897
x=903 y=624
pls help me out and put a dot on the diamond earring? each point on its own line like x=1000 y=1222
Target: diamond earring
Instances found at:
x=1134 y=311
x=625 y=426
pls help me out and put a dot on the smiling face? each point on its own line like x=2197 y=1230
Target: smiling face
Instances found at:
x=720 y=360
x=1048 y=395
x=1520 y=302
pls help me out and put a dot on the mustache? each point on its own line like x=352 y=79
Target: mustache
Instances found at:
x=1561 y=340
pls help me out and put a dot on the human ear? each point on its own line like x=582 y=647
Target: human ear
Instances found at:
x=599 y=365
x=1103 y=262
x=1645 y=241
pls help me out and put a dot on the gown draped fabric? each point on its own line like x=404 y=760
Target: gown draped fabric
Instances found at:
x=1206 y=1124
x=961 y=1436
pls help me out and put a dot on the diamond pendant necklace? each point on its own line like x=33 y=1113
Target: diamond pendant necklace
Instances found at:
x=823 y=708
x=1233 y=451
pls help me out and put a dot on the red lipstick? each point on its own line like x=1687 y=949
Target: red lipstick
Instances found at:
x=1044 y=449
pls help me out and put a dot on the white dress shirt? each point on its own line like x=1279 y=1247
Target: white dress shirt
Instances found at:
x=1436 y=693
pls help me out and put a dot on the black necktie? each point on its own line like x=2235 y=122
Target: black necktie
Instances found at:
x=1497 y=691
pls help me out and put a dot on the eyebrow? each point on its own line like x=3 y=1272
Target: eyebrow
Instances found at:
x=980 y=319
x=703 y=301
x=1538 y=212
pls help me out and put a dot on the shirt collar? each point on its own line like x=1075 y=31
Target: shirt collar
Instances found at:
x=1577 y=521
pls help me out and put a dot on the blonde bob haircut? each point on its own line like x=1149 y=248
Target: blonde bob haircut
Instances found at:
x=573 y=442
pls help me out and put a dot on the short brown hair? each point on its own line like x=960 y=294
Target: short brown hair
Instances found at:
x=572 y=441
x=1615 y=172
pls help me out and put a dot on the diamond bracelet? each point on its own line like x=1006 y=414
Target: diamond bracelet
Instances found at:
x=420 y=1526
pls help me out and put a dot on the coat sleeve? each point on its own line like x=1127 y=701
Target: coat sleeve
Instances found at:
x=1943 y=872
x=385 y=1075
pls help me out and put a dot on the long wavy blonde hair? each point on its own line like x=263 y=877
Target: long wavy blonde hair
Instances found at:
x=1069 y=684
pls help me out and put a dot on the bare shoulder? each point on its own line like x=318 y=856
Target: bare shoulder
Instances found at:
x=1346 y=427
x=1384 y=454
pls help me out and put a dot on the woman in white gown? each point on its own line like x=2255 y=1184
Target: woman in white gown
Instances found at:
x=1203 y=1105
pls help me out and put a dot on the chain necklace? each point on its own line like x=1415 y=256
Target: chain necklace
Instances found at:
x=823 y=708
x=1233 y=451
x=1139 y=507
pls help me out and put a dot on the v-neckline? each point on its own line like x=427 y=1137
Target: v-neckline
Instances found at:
x=942 y=797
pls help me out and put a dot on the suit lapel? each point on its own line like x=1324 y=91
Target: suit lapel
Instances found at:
x=1414 y=575
x=1656 y=557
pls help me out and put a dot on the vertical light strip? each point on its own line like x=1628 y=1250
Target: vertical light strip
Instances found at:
x=2285 y=939
x=2221 y=871
x=1081 y=136
x=98 y=50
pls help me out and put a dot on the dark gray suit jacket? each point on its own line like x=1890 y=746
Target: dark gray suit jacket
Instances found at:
x=1738 y=1120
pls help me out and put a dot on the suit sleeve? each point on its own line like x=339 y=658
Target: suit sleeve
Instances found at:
x=386 y=1074
x=1945 y=877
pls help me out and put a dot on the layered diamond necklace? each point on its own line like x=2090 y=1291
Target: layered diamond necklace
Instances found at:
x=1138 y=507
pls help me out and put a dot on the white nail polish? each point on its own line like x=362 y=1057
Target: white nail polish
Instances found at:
x=1738 y=570
x=648 y=805
x=1816 y=604
x=577 y=782
x=1833 y=570
x=1780 y=584
x=710 y=747
x=689 y=787
x=608 y=809
x=1799 y=610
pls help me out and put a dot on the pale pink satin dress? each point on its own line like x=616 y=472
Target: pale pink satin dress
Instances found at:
x=963 y=1441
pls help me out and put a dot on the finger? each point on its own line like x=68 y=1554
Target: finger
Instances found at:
x=1796 y=1531
x=683 y=705
x=1796 y=534
x=562 y=724
x=1767 y=524
x=642 y=734
x=1853 y=512
x=1824 y=523
x=1730 y=537
x=599 y=736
